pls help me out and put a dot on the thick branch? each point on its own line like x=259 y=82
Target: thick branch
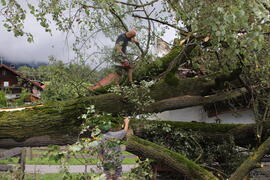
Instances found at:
x=41 y=133
x=137 y=5
x=119 y=19
x=251 y=162
x=164 y=156
x=125 y=27
x=62 y=120
x=187 y=101
x=181 y=58
x=182 y=32
x=149 y=30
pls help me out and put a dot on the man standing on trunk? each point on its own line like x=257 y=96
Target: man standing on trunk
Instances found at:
x=120 y=57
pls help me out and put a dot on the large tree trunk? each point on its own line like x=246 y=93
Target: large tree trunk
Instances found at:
x=164 y=156
x=62 y=122
x=59 y=123
x=188 y=100
x=36 y=131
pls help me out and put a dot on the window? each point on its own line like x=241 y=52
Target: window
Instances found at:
x=6 y=84
x=4 y=72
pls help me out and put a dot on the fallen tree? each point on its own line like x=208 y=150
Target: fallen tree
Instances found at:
x=62 y=119
x=59 y=124
x=17 y=130
x=221 y=46
x=175 y=161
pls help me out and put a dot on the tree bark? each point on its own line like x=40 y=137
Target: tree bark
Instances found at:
x=244 y=135
x=251 y=161
x=62 y=122
x=173 y=160
x=188 y=101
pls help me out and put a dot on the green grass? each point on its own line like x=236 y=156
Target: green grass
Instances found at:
x=44 y=176
x=72 y=161
x=34 y=151
x=10 y=161
x=54 y=176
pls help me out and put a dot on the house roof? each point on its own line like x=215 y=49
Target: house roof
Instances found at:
x=20 y=75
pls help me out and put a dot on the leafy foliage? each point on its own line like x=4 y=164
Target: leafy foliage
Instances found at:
x=41 y=73
x=142 y=172
x=223 y=155
x=177 y=140
x=136 y=94
x=94 y=145
x=67 y=81
x=23 y=96
x=228 y=35
x=3 y=99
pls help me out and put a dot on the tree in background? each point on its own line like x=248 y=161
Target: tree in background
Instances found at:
x=23 y=97
x=40 y=73
x=67 y=80
x=3 y=99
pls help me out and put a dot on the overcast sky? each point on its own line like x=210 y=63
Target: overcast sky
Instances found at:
x=17 y=49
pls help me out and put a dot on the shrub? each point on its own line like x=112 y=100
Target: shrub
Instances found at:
x=3 y=99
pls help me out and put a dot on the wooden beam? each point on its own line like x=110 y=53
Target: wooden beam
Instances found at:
x=10 y=153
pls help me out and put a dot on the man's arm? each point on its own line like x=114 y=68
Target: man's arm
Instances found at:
x=126 y=124
x=134 y=41
x=119 y=134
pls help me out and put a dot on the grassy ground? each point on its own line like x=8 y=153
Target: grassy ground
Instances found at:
x=72 y=160
x=56 y=176
x=39 y=159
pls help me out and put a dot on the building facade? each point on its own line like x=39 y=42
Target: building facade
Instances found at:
x=13 y=83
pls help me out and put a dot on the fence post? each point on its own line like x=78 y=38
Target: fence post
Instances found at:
x=22 y=162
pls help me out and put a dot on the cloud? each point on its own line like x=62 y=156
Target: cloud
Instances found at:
x=17 y=49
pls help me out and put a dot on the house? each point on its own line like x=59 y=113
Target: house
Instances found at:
x=219 y=112
x=199 y=114
x=13 y=83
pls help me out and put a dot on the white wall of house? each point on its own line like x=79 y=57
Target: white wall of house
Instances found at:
x=198 y=114
x=12 y=96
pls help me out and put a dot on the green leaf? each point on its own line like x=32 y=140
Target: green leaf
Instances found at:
x=75 y=148
x=87 y=12
x=93 y=144
x=218 y=33
x=3 y=2
x=30 y=39
x=214 y=27
x=220 y=9
x=241 y=13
